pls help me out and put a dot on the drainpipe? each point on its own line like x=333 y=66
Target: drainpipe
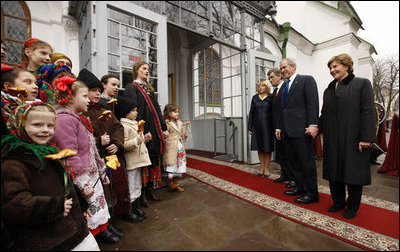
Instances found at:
x=286 y=29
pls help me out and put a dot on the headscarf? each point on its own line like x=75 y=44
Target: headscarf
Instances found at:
x=19 y=136
x=45 y=75
x=57 y=56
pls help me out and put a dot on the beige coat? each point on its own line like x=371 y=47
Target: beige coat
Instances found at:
x=175 y=132
x=136 y=156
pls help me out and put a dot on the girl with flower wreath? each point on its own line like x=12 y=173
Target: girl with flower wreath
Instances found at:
x=39 y=206
x=174 y=158
x=75 y=132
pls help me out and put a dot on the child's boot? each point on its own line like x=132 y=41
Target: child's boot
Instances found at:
x=171 y=185
x=178 y=187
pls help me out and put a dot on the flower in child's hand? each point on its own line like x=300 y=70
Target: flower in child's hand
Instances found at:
x=112 y=162
x=186 y=123
x=105 y=115
x=17 y=91
x=113 y=100
x=140 y=126
x=62 y=154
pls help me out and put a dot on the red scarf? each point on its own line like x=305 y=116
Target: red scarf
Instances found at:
x=155 y=117
x=86 y=122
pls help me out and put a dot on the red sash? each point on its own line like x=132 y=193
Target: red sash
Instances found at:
x=155 y=118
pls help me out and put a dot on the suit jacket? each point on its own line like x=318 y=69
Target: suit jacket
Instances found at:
x=301 y=107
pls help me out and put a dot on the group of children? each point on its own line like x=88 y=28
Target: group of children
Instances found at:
x=58 y=133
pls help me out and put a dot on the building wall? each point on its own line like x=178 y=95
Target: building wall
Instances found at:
x=51 y=23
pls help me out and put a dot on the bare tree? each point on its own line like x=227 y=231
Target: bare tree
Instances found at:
x=386 y=81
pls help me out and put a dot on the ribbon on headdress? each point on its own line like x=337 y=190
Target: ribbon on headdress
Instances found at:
x=64 y=82
x=5 y=68
x=29 y=42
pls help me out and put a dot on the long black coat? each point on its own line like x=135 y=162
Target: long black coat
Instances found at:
x=132 y=92
x=348 y=116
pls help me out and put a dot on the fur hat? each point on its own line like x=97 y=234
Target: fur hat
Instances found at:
x=90 y=79
x=124 y=106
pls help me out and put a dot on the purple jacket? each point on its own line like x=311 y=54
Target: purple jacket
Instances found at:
x=72 y=134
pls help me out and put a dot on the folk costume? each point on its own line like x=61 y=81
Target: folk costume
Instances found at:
x=149 y=111
x=117 y=192
x=34 y=189
x=136 y=156
x=174 y=158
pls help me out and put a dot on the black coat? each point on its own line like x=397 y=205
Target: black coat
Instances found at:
x=301 y=108
x=348 y=116
x=144 y=113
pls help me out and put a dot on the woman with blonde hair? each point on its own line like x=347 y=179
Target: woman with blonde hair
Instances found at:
x=260 y=126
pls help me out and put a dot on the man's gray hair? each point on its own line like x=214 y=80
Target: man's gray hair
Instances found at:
x=290 y=61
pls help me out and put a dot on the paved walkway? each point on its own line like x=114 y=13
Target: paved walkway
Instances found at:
x=204 y=218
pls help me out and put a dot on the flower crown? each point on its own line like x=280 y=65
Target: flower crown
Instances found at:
x=63 y=85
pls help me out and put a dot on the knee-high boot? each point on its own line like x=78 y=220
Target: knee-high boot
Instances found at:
x=132 y=216
x=139 y=211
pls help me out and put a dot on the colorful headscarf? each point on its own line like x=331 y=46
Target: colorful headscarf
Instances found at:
x=57 y=56
x=45 y=75
x=20 y=138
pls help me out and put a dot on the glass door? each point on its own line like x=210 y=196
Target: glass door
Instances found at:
x=259 y=64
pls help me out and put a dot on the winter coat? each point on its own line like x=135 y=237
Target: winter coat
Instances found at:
x=136 y=156
x=176 y=132
x=144 y=113
x=33 y=204
x=72 y=134
x=112 y=126
x=348 y=116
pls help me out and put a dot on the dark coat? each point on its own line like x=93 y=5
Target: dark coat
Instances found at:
x=260 y=123
x=301 y=108
x=33 y=204
x=348 y=116
x=144 y=113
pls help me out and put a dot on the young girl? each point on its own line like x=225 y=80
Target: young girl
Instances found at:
x=174 y=158
x=35 y=52
x=136 y=154
x=109 y=135
x=75 y=132
x=13 y=78
x=61 y=58
x=110 y=84
x=39 y=204
x=46 y=76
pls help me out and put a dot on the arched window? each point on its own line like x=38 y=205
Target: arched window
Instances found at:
x=15 y=29
x=209 y=77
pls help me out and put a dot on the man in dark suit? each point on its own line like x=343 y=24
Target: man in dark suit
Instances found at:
x=297 y=123
x=274 y=76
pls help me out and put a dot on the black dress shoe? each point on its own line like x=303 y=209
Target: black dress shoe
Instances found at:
x=114 y=230
x=306 y=199
x=294 y=192
x=350 y=213
x=133 y=217
x=281 y=179
x=335 y=208
x=291 y=184
x=107 y=236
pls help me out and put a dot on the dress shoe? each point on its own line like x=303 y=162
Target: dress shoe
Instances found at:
x=335 y=208
x=294 y=192
x=114 y=230
x=291 y=184
x=350 y=213
x=306 y=199
x=281 y=179
x=107 y=236
x=137 y=210
x=133 y=217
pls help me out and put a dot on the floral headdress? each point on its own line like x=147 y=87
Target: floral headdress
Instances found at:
x=45 y=74
x=19 y=136
x=63 y=86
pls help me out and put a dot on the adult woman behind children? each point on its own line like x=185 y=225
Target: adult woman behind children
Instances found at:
x=347 y=121
x=141 y=92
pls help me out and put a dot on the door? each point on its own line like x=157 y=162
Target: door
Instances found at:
x=259 y=64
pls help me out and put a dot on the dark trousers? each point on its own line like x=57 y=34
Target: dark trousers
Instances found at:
x=300 y=155
x=338 y=194
x=282 y=160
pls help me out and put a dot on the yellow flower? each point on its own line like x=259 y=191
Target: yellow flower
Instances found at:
x=112 y=162
x=105 y=115
x=113 y=100
x=62 y=154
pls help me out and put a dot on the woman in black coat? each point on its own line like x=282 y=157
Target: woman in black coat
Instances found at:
x=149 y=110
x=260 y=126
x=347 y=120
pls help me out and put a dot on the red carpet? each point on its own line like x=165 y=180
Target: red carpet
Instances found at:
x=373 y=218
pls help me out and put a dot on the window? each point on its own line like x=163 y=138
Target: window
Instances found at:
x=130 y=39
x=15 y=29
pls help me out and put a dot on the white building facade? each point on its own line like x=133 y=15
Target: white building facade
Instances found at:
x=205 y=56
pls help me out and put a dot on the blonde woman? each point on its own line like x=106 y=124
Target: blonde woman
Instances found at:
x=260 y=126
